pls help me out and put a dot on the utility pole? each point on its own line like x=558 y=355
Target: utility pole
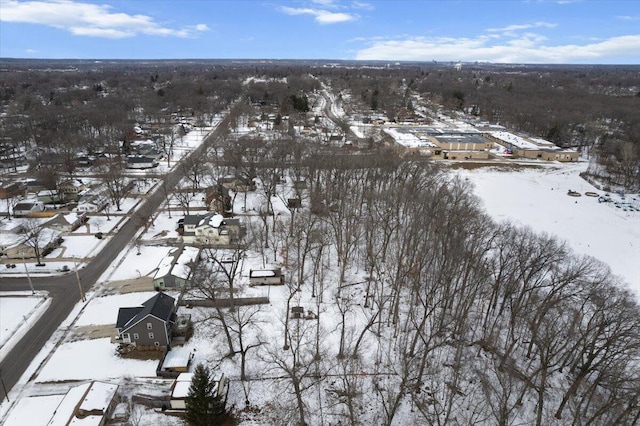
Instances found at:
x=27 y=271
x=4 y=388
x=84 y=299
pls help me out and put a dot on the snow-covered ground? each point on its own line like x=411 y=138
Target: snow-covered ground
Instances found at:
x=18 y=312
x=537 y=197
x=92 y=359
x=131 y=265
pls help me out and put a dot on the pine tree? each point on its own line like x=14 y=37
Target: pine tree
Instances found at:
x=204 y=408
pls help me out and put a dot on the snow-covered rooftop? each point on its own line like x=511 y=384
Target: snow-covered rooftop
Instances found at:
x=177 y=357
x=514 y=140
x=181 y=388
x=165 y=265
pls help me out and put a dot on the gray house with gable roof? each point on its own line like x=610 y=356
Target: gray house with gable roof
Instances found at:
x=149 y=324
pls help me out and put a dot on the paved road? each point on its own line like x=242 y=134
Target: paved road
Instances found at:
x=64 y=289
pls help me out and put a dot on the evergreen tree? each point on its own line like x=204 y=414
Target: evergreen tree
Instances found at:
x=204 y=408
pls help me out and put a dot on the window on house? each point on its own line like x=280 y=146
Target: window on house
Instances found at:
x=150 y=335
x=149 y=326
x=136 y=336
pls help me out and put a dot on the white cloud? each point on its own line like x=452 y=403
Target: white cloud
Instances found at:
x=325 y=3
x=528 y=48
x=87 y=19
x=519 y=27
x=321 y=16
x=629 y=18
x=362 y=5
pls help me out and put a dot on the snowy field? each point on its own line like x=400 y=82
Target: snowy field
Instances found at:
x=81 y=246
x=17 y=313
x=92 y=359
x=538 y=198
x=130 y=265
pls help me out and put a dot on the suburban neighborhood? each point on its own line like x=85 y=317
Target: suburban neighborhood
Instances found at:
x=315 y=259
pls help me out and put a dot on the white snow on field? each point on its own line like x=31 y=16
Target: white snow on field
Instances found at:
x=81 y=246
x=104 y=310
x=538 y=198
x=31 y=411
x=133 y=266
x=17 y=314
x=93 y=359
x=13 y=312
x=126 y=206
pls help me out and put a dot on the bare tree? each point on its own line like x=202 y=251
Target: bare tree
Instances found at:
x=117 y=184
x=36 y=237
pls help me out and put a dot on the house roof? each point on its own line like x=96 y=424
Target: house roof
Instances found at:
x=160 y=306
x=126 y=314
x=140 y=159
x=192 y=219
x=24 y=206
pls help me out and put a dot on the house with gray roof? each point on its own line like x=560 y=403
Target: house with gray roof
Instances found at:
x=212 y=230
x=149 y=324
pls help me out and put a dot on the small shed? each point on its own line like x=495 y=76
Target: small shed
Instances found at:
x=177 y=360
x=268 y=276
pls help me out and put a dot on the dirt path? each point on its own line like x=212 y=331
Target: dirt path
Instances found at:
x=89 y=332
x=129 y=286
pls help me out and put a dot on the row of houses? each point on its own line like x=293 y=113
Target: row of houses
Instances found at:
x=15 y=244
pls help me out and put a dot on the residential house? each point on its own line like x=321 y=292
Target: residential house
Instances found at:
x=48 y=240
x=85 y=160
x=71 y=189
x=27 y=207
x=148 y=325
x=173 y=273
x=66 y=222
x=238 y=183
x=212 y=230
x=141 y=162
x=92 y=203
x=11 y=189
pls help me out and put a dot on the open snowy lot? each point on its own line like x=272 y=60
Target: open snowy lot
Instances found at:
x=92 y=359
x=81 y=246
x=17 y=313
x=537 y=197
x=131 y=265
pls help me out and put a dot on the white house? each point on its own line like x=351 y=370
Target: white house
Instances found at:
x=26 y=208
x=212 y=230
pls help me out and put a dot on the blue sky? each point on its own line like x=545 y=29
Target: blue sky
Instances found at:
x=508 y=31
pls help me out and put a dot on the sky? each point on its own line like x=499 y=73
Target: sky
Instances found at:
x=506 y=31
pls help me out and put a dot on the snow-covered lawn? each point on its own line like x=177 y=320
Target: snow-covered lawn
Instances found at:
x=81 y=246
x=130 y=265
x=92 y=359
x=100 y=224
x=537 y=197
x=17 y=314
